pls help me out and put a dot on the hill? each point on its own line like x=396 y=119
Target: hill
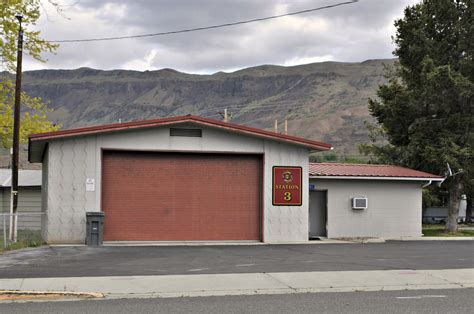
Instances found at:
x=322 y=101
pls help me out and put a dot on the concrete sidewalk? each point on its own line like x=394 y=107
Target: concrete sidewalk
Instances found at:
x=435 y=239
x=250 y=283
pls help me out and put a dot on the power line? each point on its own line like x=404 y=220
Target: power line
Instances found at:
x=244 y=108
x=206 y=27
x=249 y=107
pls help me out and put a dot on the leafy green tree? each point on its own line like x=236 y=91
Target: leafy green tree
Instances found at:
x=34 y=119
x=425 y=111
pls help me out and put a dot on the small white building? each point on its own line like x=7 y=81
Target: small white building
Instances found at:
x=390 y=200
x=195 y=179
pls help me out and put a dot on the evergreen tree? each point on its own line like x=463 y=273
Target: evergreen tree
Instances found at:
x=425 y=111
x=34 y=120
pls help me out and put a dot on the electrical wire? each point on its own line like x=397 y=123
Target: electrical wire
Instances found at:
x=205 y=27
x=243 y=108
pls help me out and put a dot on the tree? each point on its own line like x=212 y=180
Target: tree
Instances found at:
x=425 y=111
x=34 y=120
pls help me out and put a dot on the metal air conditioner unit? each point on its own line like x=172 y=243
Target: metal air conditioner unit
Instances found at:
x=360 y=203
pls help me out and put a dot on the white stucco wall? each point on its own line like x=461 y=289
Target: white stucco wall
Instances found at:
x=44 y=194
x=394 y=208
x=71 y=161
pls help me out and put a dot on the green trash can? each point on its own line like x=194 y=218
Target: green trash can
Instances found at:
x=94 y=228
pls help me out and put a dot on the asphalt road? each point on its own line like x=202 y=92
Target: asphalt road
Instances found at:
x=127 y=261
x=420 y=301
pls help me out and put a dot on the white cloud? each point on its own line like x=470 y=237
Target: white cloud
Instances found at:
x=306 y=60
x=354 y=32
x=141 y=64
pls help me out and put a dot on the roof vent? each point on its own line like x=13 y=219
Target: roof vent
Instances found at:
x=185 y=132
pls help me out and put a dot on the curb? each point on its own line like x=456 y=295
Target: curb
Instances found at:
x=25 y=249
x=249 y=292
x=204 y=244
x=435 y=239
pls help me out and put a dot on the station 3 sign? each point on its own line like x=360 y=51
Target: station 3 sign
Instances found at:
x=287 y=186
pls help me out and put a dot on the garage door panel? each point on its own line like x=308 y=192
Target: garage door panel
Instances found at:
x=159 y=196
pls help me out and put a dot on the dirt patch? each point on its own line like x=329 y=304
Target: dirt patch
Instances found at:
x=13 y=295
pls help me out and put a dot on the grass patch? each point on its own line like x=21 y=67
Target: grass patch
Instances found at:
x=438 y=231
x=26 y=238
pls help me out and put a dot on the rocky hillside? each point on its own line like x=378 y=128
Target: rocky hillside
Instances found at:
x=323 y=101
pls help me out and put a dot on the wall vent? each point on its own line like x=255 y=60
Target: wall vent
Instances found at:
x=185 y=132
x=360 y=203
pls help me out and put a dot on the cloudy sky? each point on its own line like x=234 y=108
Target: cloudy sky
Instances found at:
x=354 y=32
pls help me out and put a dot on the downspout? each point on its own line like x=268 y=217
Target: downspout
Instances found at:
x=427 y=184
x=431 y=181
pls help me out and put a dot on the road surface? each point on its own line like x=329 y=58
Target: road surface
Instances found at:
x=185 y=260
x=420 y=301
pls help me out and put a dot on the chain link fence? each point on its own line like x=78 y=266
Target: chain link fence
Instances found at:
x=28 y=229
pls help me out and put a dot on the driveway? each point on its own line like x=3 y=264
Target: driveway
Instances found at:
x=128 y=261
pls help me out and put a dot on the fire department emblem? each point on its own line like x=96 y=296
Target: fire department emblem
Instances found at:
x=287 y=176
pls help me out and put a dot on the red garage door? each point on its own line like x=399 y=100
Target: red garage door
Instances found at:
x=168 y=196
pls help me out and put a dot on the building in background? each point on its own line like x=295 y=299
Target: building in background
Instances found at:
x=439 y=213
x=29 y=198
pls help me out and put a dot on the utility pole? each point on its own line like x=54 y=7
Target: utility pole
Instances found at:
x=16 y=133
x=275 y=127
x=286 y=127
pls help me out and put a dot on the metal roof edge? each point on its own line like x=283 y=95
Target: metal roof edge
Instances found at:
x=174 y=120
x=438 y=179
x=117 y=127
x=7 y=181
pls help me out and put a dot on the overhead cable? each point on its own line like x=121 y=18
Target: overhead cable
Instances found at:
x=205 y=27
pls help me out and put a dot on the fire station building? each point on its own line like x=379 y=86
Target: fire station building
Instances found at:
x=196 y=179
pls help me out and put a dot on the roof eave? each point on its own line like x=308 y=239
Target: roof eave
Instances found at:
x=45 y=137
x=36 y=152
x=424 y=179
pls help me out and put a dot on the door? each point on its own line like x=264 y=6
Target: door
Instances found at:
x=317 y=213
x=181 y=197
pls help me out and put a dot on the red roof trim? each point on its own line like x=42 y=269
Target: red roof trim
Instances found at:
x=180 y=119
x=366 y=170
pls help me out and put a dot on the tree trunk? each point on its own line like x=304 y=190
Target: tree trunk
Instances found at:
x=468 y=208
x=455 y=191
